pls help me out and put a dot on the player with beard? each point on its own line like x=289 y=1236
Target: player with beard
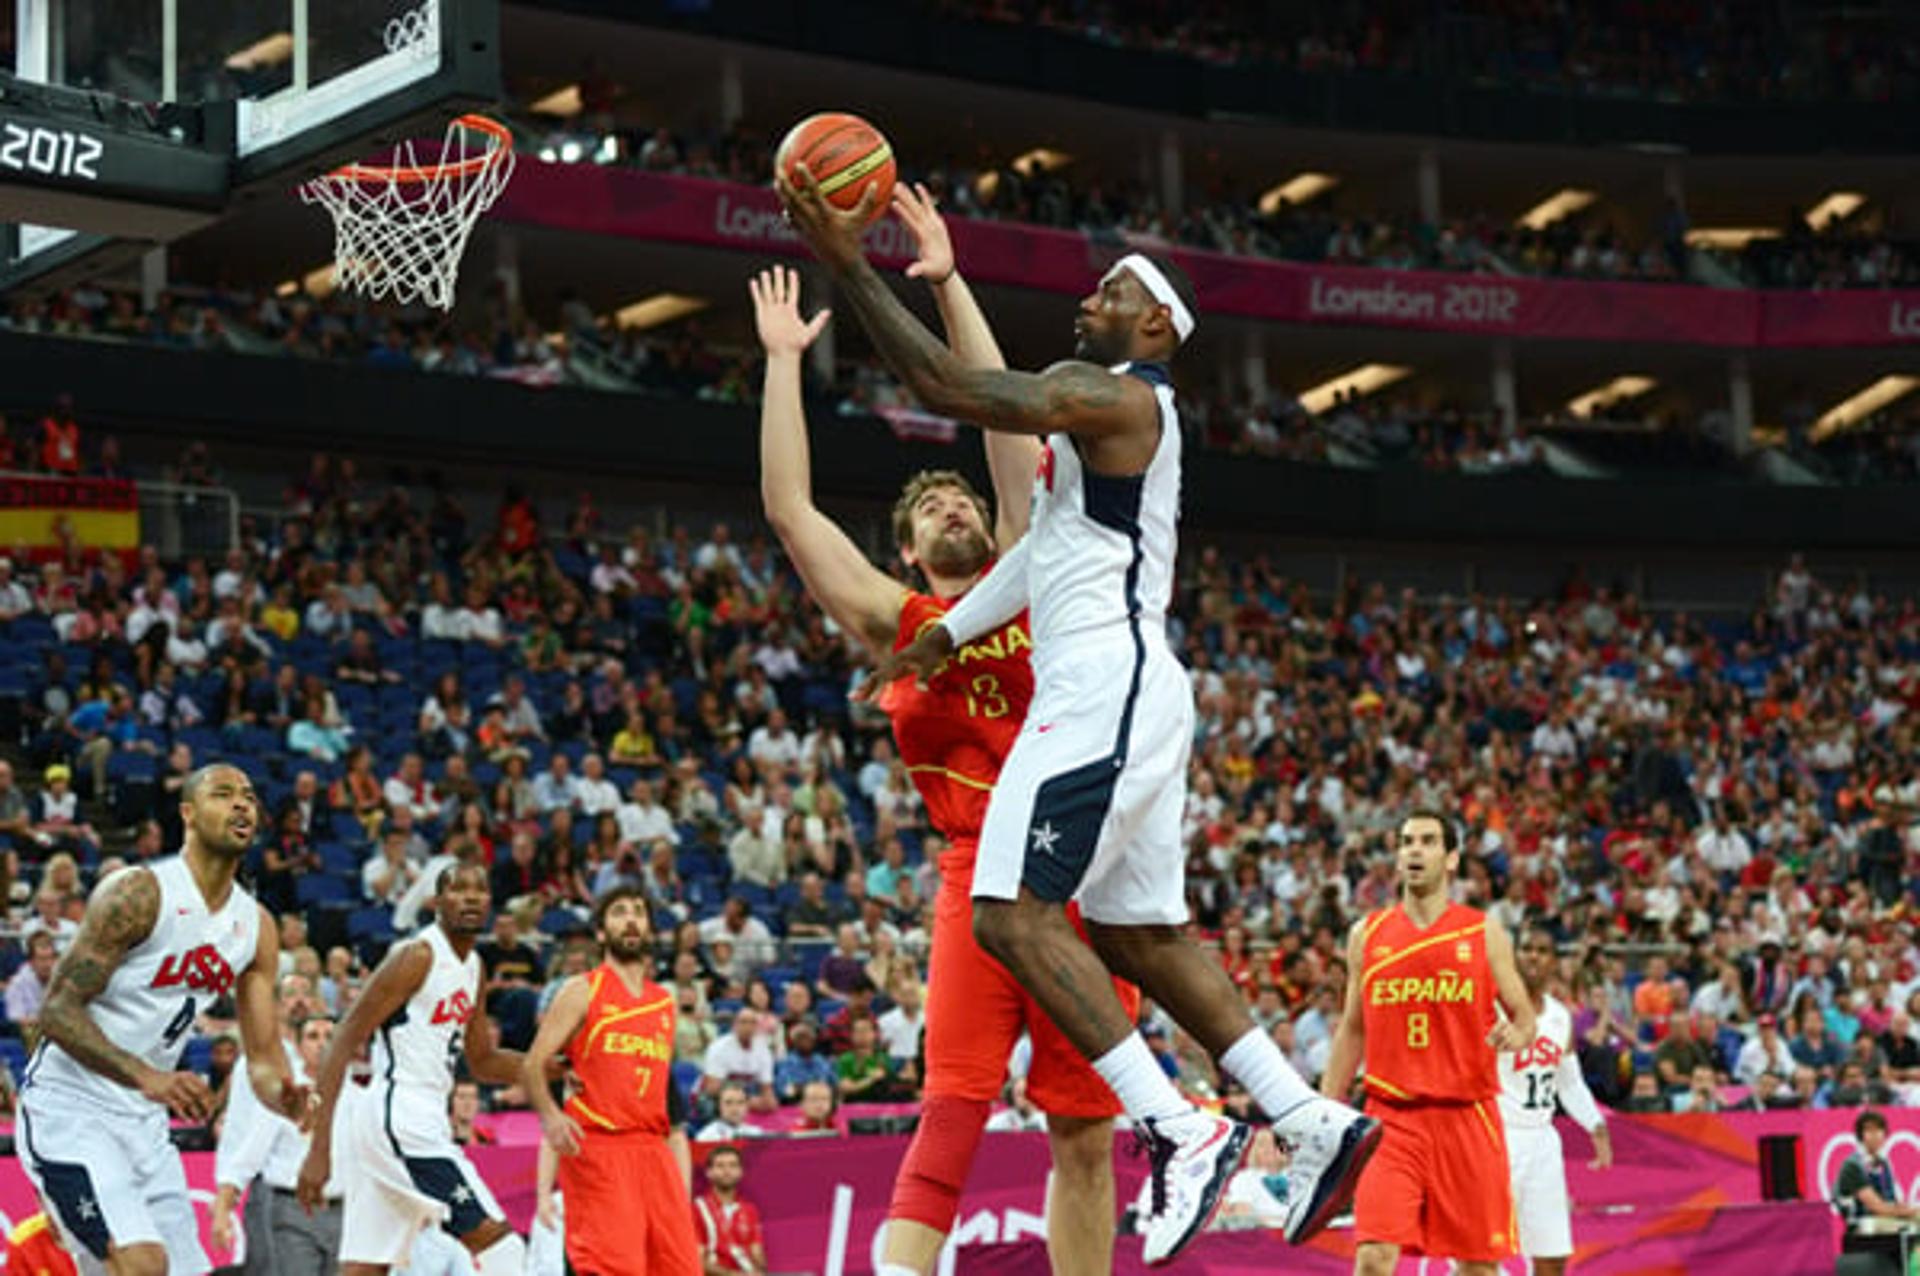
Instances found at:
x=159 y=943
x=953 y=735
x=626 y=1172
x=401 y=1170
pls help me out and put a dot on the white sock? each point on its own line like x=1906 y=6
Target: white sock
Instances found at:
x=1143 y=1090
x=505 y=1257
x=895 y=1269
x=1269 y=1078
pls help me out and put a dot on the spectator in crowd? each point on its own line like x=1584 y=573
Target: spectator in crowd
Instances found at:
x=819 y=1111
x=27 y=989
x=513 y=978
x=802 y=1064
x=902 y=1026
x=741 y=1056
x=727 y=1225
x=1865 y=1187
x=730 y=1120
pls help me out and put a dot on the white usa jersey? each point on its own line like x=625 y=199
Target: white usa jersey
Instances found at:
x=192 y=957
x=1534 y=1077
x=417 y=1050
x=1101 y=548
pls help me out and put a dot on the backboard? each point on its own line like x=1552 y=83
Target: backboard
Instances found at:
x=129 y=123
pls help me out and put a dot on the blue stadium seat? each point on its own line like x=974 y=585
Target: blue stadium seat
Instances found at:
x=341 y=859
x=373 y=923
x=322 y=888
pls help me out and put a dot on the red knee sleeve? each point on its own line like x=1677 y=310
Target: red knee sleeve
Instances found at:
x=927 y=1190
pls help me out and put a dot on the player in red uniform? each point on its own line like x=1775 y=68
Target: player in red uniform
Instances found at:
x=727 y=1226
x=626 y=1172
x=1422 y=980
x=953 y=734
x=33 y=1249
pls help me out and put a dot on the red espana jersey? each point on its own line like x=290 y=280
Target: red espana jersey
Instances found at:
x=33 y=1249
x=954 y=735
x=727 y=1233
x=1428 y=997
x=622 y=1057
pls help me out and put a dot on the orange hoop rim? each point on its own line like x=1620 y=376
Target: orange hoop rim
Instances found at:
x=429 y=172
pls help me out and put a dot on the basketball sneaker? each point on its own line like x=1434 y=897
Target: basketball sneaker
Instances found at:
x=1192 y=1157
x=1330 y=1144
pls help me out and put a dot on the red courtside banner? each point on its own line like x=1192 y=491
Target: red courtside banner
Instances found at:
x=688 y=210
x=1683 y=1193
x=100 y=513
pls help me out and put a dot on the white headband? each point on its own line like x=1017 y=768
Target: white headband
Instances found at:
x=1156 y=284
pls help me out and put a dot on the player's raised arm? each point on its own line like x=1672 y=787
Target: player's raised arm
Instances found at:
x=862 y=599
x=1349 y=1039
x=1073 y=397
x=120 y=915
x=557 y=1026
x=1011 y=458
x=395 y=981
x=267 y=1068
x=1518 y=1029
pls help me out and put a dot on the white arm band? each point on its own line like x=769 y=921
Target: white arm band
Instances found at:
x=1575 y=1097
x=994 y=600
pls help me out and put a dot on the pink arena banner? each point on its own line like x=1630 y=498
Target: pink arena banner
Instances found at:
x=1796 y=1240
x=728 y=215
x=1682 y=1181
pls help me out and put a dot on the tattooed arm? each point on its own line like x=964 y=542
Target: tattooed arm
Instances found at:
x=120 y=915
x=1071 y=397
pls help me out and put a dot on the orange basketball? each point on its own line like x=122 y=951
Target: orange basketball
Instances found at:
x=845 y=154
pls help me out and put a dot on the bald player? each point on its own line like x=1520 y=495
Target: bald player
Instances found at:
x=159 y=944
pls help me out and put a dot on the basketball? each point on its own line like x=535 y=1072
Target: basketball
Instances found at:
x=845 y=154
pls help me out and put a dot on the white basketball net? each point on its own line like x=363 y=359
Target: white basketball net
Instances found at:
x=399 y=228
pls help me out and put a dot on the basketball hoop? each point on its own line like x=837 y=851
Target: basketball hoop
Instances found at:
x=399 y=228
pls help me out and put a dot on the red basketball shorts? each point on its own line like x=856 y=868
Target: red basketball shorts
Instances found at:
x=627 y=1208
x=976 y=1013
x=1439 y=1184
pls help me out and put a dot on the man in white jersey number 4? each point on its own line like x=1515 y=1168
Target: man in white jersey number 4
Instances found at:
x=1531 y=1079
x=1088 y=804
x=400 y=1170
x=158 y=945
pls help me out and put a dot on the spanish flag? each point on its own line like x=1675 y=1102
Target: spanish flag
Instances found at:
x=99 y=513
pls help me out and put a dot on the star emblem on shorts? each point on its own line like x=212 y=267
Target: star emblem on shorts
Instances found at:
x=462 y=1194
x=88 y=1208
x=1044 y=837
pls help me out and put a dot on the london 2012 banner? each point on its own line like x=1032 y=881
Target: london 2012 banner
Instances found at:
x=669 y=208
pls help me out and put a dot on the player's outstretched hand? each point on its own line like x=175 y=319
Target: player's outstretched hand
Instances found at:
x=913 y=205
x=832 y=233
x=185 y=1094
x=1602 y=1149
x=547 y=1210
x=314 y=1173
x=562 y=1133
x=1505 y=1037
x=918 y=659
x=776 y=311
